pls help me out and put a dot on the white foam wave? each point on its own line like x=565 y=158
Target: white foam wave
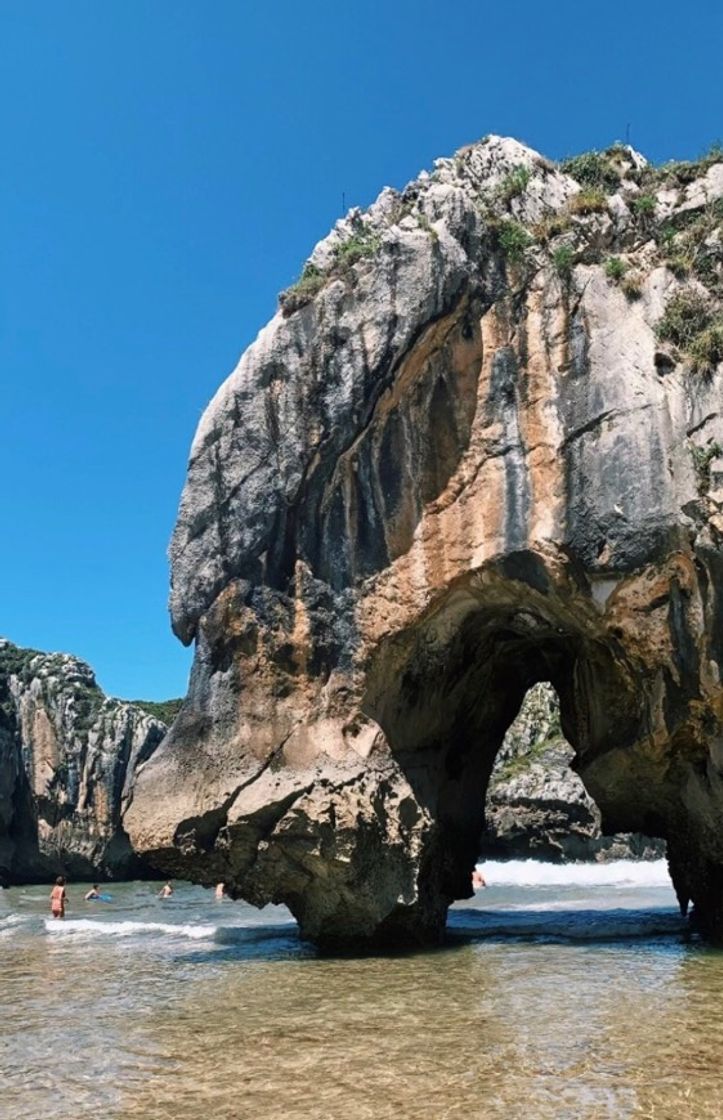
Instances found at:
x=196 y=932
x=533 y=873
x=9 y=924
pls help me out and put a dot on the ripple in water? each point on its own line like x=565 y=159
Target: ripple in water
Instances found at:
x=565 y=992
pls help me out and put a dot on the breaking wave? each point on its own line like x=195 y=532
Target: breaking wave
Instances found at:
x=618 y=873
x=195 y=931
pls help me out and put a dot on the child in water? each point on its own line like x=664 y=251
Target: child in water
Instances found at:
x=58 y=898
x=165 y=892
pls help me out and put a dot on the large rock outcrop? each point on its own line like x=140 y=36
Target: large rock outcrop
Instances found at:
x=476 y=448
x=536 y=804
x=68 y=755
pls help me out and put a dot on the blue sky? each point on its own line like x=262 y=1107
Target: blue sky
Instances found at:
x=168 y=166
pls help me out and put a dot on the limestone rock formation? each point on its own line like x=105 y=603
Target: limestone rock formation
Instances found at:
x=478 y=447
x=68 y=755
x=536 y=804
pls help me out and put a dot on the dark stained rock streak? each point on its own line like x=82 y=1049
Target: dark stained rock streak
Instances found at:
x=478 y=447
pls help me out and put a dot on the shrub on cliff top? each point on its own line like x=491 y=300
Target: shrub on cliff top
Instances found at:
x=363 y=242
x=683 y=172
x=310 y=282
x=164 y=710
x=593 y=169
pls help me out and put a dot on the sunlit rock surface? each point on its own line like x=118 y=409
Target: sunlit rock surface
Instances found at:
x=537 y=805
x=477 y=448
x=68 y=755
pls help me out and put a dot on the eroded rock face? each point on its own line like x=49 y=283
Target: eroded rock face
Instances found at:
x=536 y=804
x=470 y=454
x=68 y=755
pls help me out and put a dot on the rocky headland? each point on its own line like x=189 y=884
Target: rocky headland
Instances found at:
x=478 y=447
x=68 y=757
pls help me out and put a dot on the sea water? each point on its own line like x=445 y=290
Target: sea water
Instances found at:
x=564 y=992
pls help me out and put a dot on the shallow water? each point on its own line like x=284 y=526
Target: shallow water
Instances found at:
x=565 y=993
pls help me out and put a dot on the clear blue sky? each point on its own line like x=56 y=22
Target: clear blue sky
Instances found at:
x=167 y=167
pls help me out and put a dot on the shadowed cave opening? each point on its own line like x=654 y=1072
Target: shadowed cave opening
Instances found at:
x=446 y=692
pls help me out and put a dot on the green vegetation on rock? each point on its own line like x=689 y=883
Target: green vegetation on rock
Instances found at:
x=515 y=183
x=692 y=323
x=588 y=201
x=643 y=205
x=164 y=710
x=615 y=269
x=514 y=240
x=311 y=281
x=563 y=260
x=363 y=242
x=595 y=170
x=702 y=459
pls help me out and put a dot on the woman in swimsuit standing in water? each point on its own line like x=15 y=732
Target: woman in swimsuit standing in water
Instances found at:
x=58 y=898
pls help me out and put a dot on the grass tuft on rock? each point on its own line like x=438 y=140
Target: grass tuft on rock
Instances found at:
x=514 y=240
x=588 y=201
x=693 y=324
x=563 y=261
x=706 y=349
x=643 y=206
x=364 y=242
x=615 y=269
x=631 y=285
x=550 y=227
x=311 y=281
x=514 y=184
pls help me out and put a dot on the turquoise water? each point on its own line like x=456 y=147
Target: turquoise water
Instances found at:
x=565 y=992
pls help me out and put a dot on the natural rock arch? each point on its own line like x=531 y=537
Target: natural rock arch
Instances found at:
x=446 y=471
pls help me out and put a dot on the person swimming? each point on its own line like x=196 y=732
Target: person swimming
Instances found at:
x=93 y=894
x=220 y=892
x=58 y=898
x=165 y=891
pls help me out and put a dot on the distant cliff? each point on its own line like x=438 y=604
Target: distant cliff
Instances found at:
x=68 y=756
x=537 y=805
